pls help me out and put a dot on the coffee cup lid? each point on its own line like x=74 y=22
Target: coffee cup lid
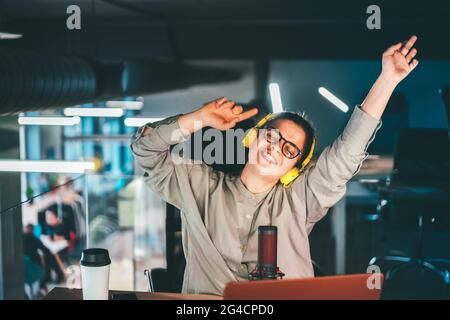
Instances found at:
x=95 y=257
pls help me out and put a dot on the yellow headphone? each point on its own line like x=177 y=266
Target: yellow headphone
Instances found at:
x=292 y=174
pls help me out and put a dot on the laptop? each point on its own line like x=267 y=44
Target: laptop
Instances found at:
x=341 y=287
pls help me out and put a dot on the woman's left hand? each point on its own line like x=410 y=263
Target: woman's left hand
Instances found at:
x=398 y=60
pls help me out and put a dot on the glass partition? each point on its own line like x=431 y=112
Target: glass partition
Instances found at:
x=52 y=225
x=128 y=219
x=118 y=213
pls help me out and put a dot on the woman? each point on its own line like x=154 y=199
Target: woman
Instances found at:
x=221 y=213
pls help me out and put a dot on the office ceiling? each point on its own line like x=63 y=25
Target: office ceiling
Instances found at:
x=225 y=29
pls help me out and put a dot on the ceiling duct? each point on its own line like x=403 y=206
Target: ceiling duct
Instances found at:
x=31 y=81
x=141 y=77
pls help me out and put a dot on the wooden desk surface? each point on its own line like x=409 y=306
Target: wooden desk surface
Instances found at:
x=59 y=293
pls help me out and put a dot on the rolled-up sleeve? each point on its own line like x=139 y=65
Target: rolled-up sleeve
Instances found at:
x=324 y=184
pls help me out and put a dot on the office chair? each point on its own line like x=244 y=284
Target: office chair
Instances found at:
x=419 y=187
x=159 y=280
x=416 y=270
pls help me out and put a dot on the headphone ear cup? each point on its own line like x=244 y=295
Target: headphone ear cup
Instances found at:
x=249 y=137
x=289 y=177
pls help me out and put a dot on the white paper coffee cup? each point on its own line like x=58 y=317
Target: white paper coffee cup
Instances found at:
x=95 y=263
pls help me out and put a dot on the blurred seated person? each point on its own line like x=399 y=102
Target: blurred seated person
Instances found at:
x=57 y=223
x=39 y=254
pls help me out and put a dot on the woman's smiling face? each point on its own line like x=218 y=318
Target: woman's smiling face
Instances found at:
x=266 y=152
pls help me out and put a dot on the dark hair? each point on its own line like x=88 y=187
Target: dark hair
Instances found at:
x=299 y=120
x=53 y=209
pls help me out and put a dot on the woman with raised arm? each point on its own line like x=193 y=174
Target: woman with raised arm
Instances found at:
x=221 y=212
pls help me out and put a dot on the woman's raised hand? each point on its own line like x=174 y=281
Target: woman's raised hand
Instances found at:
x=398 y=60
x=223 y=114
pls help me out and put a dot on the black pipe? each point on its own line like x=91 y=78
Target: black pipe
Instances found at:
x=32 y=81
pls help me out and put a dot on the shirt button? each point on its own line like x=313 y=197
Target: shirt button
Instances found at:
x=248 y=216
x=242 y=248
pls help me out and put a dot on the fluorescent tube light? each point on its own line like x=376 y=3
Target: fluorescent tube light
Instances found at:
x=48 y=121
x=137 y=122
x=94 y=112
x=9 y=36
x=333 y=99
x=275 y=96
x=46 y=166
x=130 y=105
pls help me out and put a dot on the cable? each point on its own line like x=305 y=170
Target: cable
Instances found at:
x=40 y=194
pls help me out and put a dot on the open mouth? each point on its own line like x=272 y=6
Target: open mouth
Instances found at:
x=267 y=157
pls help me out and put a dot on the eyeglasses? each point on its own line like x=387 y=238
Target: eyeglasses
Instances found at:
x=273 y=136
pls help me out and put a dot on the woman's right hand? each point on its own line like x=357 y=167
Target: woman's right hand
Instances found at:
x=223 y=114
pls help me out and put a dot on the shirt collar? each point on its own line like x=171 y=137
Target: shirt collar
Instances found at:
x=248 y=194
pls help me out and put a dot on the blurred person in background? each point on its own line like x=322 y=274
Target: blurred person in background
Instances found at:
x=40 y=255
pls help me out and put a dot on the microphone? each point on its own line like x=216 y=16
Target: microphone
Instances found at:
x=266 y=266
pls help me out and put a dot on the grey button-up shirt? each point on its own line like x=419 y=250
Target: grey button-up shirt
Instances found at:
x=220 y=217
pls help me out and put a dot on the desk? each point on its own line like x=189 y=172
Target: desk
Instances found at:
x=59 y=293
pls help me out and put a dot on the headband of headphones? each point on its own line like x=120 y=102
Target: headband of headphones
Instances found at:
x=250 y=136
